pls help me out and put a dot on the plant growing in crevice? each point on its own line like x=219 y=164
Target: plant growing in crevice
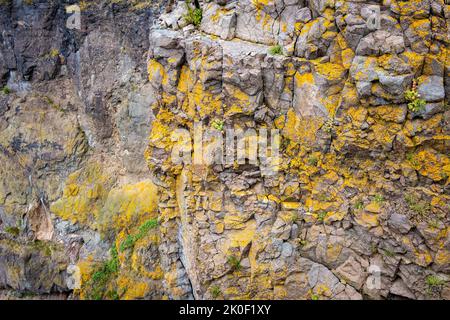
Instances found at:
x=416 y=104
x=5 y=90
x=378 y=198
x=420 y=207
x=14 y=231
x=131 y=239
x=321 y=216
x=434 y=284
x=411 y=159
x=313 y=161
x=276 y=50
x=388 y=253
x=217 y=124
x=328 y=126
x=194 y=15
x=359 y=205
x=100 y=278
x=234 y=262
x=215 y=291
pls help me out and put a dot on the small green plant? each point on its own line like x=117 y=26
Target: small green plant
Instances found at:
x=388 y=253
x=303 y=242
x=328 y=125
x=276 y=50
x=314 y=297
x=54 y=53
x=411 y=159
x=413 y=97
x=101 y=277
x=194 y=15
x=217 y=124
x=420 y=207
x=313 y=161
x=378 y=198
x=15 y=231
x=234 y=262
x=215 y=291
x=359 y=205
x=321 y=216
x=434 y=223
x=434 y=283
x=5 y=90
x=131 y=239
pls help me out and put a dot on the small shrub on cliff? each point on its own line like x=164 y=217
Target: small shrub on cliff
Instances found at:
x=378 y=198
x=194 y=15
x=321 y=216
x=215 y=291
x=415 y=103
x=328 y=126
x=434 y=284
x=217 y=124
x=101 y=277
x=359 y=205
x=15 y=231
x=234 y=262
x=313 y=161
x=142 y=232
x=5 y=90
x=420 y=207
x=276 y=50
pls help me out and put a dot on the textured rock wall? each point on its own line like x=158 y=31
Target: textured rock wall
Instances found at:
x=363 y=178
x=73 y=130
x=89 y=191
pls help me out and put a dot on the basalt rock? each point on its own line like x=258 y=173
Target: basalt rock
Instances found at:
x=105 y=192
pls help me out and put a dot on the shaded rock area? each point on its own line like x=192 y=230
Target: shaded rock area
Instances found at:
x=356 y=205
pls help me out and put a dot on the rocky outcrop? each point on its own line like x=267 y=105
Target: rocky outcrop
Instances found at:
x=353 y=95
x=361 y=174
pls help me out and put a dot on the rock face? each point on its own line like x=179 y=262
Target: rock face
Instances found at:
x=100 y=178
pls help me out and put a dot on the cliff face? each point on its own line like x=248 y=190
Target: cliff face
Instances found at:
x=356 y=205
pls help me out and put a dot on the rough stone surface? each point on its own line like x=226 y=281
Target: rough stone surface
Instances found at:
x=355 y=206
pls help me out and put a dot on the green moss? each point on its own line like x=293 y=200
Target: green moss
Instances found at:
x=235 y=263
x=142 y=232
x=276 y=50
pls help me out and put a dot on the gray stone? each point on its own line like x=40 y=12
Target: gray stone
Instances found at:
x=399 y=223
x=399 y=288
x=352 y=272
x=431 y=88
